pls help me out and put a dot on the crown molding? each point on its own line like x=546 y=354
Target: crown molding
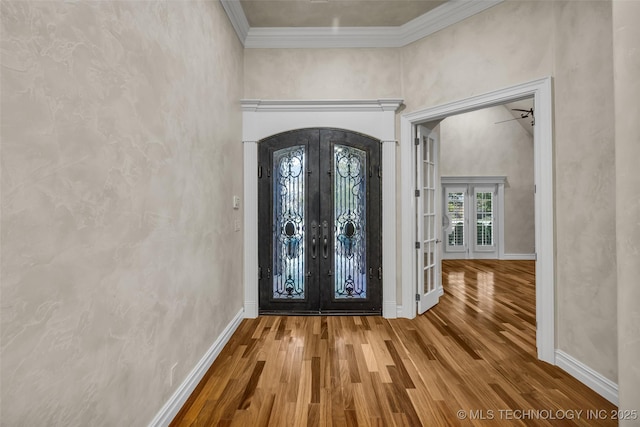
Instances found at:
x=446 y=14
x=238 y=19
x=441 y=17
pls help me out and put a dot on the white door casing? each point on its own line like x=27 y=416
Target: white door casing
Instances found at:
x=263 y=118
x=541 y=91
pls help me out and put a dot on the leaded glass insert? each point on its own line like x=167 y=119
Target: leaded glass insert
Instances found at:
x=288 y=227
x=349 y=199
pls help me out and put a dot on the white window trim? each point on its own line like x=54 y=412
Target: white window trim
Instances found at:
x=263 y=118
x=541 y=90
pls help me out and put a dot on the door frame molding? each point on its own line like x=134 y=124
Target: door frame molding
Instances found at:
x=541 y=90
x=263 y=118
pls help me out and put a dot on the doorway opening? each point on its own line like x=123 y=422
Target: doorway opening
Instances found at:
x=540 y=91
x=319 y=210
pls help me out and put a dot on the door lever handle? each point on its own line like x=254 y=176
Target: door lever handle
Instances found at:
x=325 y=239
x=313 y=247
x=325 y=248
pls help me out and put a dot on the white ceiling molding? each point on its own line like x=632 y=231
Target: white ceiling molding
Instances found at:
x=441 y=17
x=237 y=17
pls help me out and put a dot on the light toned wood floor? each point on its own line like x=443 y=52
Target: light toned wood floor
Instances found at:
x=474 y=351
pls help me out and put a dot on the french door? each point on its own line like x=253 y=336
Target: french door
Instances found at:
x=429 y=281
x=319 y=208
x=470 y=221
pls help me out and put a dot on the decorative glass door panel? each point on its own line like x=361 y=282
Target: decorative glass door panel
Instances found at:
x=350 y=212
x=319 y=200
x=289 y=216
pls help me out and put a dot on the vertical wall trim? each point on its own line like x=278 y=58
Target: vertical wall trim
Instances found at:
x=389 y=309
x=250 y=149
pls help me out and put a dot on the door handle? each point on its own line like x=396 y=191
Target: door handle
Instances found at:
x=313 y=240
x=325 y=239
x=325 y=248
x=313 y=247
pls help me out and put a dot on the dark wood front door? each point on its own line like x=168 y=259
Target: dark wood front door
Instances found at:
x=319 y=208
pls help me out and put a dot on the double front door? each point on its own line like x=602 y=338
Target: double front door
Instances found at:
x=319 y=222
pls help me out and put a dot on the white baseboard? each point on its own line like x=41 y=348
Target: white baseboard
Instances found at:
x=519 y=257
x=164 y=417
x=592 y=379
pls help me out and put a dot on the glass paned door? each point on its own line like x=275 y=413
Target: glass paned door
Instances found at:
x=319 y=208
x=455 y=218
x=472 y=217
x=484 y=229
x=427 y=216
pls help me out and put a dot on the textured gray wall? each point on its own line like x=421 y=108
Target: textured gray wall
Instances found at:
x=121 y=151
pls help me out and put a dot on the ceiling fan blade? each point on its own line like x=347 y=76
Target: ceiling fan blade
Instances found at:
x=520 y=109
x=510 y=120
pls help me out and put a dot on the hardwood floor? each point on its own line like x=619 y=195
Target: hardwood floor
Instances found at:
x=474 y=352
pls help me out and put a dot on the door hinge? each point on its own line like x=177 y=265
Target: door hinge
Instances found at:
x=417 y=245
x=379 y=273
x=416 y=141
x=259 y=172
x=535 y=188
x=379 y=171
x=259 y=273
x=417 y=297
x=268 y=172
x=417 y=193
x=536 y=256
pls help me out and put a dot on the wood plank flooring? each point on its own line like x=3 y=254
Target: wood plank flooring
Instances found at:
x=474 y=352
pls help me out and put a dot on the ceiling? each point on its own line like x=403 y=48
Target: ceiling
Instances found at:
x=344 y=23
x=334 y=13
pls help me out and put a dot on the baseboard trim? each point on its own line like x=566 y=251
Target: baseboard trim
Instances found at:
x=592 y=379
x=164 y=417
x=519 y=257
